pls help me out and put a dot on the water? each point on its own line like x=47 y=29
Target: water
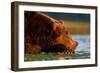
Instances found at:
x=83 y=49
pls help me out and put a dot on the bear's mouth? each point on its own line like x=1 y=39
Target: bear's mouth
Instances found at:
x=68 y=52
x=59 y=48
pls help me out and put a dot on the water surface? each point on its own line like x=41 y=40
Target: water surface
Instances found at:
x=83 y=49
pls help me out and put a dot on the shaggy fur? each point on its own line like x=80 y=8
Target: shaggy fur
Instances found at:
x=43 y=34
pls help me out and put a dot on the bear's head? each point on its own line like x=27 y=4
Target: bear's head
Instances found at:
x=43 y=33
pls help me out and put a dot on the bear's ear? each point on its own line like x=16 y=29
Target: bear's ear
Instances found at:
x=50 y=26
x=58 y=21
x=61 y=21
x=53 y=26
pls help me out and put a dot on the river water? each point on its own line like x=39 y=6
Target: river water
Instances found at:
x=83 y=48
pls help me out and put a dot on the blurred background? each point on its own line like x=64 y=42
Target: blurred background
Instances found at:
x=76 y=23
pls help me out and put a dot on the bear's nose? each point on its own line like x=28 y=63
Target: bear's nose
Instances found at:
x=76 y=43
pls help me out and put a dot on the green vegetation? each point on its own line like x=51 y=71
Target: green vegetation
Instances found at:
x=56 y=56
x=46 y=56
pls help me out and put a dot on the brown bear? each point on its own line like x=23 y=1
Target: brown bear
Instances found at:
x=45 y=34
